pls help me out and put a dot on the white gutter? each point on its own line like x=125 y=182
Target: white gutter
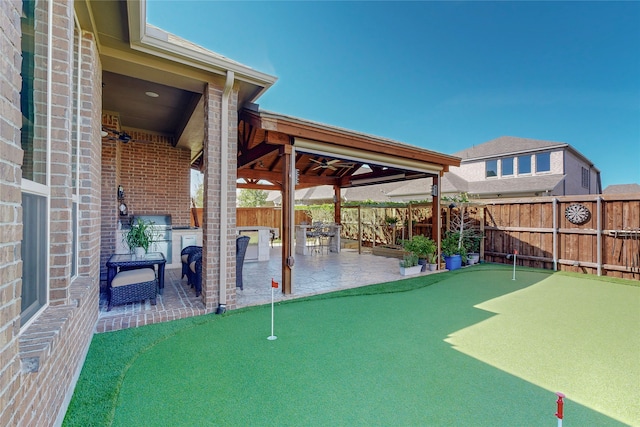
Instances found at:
x=224 y=169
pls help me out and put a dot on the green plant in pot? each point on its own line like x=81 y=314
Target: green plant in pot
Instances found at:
x=139 y=237
x=424 y=247
x=471 y=242
x=409 y=265
x=452 y=251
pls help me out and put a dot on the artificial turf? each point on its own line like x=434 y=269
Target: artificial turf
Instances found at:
x=463 y=348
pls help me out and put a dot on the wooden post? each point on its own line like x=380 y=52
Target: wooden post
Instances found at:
x=287 y=216
x=482 y=220
x=410 y=222
x=359 y=230
x=337 y=205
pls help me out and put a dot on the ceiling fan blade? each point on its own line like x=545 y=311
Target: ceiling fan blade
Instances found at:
x=333 y=168
x=316 y=161
x=346 y=165
x=334 y=161
x=317 y=167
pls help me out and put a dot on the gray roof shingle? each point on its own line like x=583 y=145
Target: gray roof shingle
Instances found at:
x=505 y=145
x=622 y=189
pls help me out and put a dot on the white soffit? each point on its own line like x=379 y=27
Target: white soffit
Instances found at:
x=347 y=153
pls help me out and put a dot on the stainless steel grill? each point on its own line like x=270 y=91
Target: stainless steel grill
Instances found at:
x=162 y=232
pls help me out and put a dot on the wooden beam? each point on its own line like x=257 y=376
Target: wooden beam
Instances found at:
x=256 y=153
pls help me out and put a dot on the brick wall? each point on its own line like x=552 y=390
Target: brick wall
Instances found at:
x=40 y=362
x=10 y=206
x=156 y=178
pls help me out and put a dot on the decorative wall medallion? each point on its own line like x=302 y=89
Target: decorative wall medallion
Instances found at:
x=577 y=213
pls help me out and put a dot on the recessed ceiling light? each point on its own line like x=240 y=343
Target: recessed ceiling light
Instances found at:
x=152 y=94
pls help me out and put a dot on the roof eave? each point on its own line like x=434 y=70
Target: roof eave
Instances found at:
x=155 y=42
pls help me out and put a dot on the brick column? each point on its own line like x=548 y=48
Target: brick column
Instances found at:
x=211 y=256
x=61 y=131
x=90 y=159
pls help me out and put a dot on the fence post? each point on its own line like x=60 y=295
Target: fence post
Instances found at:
x=599 y=235
x=555 y=234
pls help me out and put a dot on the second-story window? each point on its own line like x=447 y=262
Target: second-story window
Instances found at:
x=507 y=166
x=491 y=168
x=585 y=177
x=524 y=165
x=543 y=162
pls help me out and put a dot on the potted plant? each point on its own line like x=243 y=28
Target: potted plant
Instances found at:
x=409 y=265
x=422 y=246
x=139 y=237
x=471 y=242
x=391 y=221
x=452 y=251
x=432 y=261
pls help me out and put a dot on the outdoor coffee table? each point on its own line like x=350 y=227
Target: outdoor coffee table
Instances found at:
x=130 y=261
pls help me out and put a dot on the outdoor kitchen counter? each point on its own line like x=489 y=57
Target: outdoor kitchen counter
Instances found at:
x=259 y=252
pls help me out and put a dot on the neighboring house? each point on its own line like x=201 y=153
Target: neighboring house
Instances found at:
x=622 y=189
x=512 y=167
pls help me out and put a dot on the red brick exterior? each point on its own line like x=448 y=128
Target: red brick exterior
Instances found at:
x=40 y=361
x=155 y=176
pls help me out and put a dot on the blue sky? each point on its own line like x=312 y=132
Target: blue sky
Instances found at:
x=441 y=75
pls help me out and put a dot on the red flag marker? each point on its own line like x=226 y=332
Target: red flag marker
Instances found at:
x=560 y=410
x=274 y=285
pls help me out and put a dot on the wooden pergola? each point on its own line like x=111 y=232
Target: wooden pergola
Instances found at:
x=279 y=152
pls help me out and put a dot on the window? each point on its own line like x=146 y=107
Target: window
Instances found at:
x=35 y=168
x=585 y=178
x=507 y=166
x=491 y=168
x=524 y=165
x=543 y=162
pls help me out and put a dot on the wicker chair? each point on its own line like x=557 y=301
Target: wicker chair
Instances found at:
x=184 y=257
x=194 y=273
x=241 y=249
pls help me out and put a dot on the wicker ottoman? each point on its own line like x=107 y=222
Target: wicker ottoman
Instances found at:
x=133 y=285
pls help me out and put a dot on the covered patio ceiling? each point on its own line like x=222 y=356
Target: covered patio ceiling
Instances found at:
x=325 y=155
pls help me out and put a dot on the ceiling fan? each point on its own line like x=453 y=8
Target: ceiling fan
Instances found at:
x=331 y=164
x=121 y=136
x=115 y=135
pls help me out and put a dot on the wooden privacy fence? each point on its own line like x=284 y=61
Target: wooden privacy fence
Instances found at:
x=267 y=217
x=603 y=239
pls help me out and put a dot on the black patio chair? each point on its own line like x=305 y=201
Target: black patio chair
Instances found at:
x=241 y=249
x=184 y=257
x=194 y=275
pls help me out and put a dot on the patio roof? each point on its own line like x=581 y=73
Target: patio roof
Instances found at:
x=326 y=155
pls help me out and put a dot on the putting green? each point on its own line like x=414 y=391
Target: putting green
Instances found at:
x=576 y=335
x=473 y=349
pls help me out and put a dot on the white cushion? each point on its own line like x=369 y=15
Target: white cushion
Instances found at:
x=185 y=258
x=193 y=266
x=129 y=277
